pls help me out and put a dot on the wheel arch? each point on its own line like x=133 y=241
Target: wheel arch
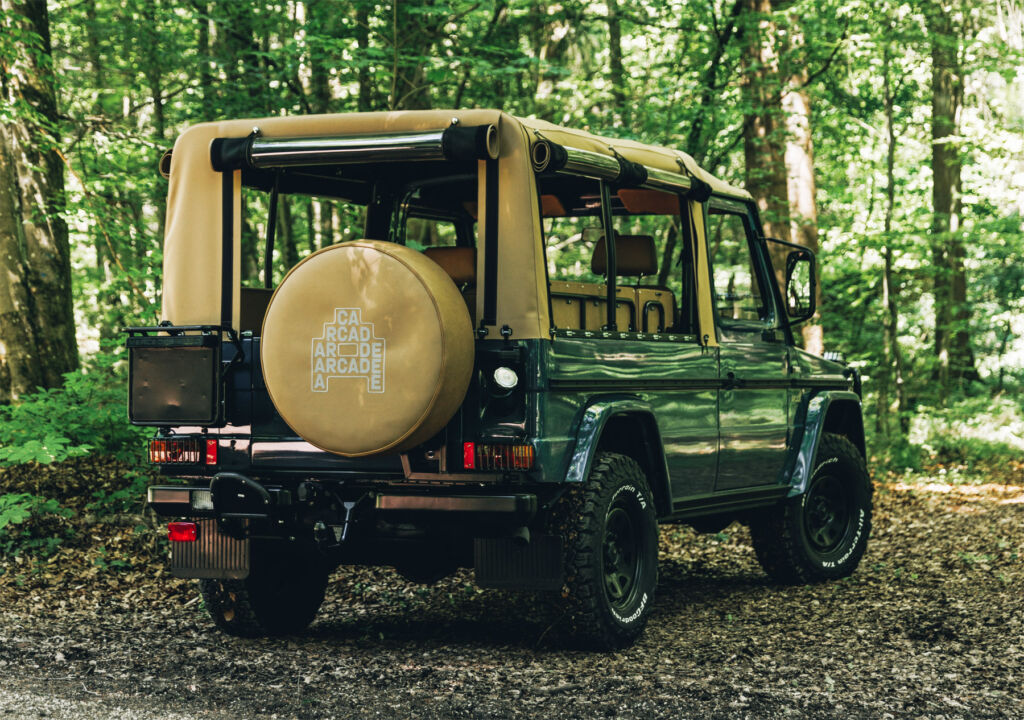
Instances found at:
x=627 y=426
x=836 y=412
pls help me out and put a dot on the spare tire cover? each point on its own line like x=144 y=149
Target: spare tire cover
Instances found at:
x=367 y=348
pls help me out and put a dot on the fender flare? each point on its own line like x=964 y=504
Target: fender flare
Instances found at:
x=595 y=418
x=815 y=418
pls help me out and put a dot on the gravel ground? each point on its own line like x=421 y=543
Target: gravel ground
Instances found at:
x=931 y=625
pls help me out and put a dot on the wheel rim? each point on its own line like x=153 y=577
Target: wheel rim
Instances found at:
x=827 y=516
x=622 y=557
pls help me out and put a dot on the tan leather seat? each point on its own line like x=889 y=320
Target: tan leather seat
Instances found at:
x=637 y=256
x=460 y=264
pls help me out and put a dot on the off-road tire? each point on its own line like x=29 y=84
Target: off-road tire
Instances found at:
x=281 y=596
x=601 y=521
x=822 y=533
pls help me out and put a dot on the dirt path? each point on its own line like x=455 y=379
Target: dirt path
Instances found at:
x=932 y=625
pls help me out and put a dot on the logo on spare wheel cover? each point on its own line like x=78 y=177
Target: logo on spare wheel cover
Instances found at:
x=347 y=349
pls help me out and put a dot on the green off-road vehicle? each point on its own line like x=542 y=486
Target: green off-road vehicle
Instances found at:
x=535 y=346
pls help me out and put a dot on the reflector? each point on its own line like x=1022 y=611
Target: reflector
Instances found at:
x=211 y=452
x=182 y=532
x=468 y=456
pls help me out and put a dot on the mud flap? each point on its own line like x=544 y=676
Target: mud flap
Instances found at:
x=213 y=555
x=501 y=563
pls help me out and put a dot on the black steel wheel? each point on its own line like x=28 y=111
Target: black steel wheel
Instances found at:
x=282 y=594
x=611 y=554
x=823 y=533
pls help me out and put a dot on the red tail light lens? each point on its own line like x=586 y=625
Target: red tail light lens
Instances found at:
x=186 y=451
x=182 y=532
x=503 y=457
x=211 y=452
x=469 y=455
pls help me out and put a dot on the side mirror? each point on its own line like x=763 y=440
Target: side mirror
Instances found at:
x=799 y=290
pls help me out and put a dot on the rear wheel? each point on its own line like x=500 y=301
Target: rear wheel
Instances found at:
x=282 y=594
x=611 y=548
x=823 y=533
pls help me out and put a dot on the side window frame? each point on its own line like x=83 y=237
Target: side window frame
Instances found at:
x=758 y=253
x=612 y=283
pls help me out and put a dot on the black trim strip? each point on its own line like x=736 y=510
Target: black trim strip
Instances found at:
x=610 y=248
x=728 y=500
x=227 y=247
x=268 y=251
x=490 y=314
x=640 y=384
x=633 y=385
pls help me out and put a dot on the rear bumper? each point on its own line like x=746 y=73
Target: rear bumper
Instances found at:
x=197 y=501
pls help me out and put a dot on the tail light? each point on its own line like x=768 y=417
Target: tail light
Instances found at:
x=184 y=451
x=497 y=457
x=182 y=532
x=211 y=452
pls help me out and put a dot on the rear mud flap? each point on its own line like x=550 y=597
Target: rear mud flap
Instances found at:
x=501 y=563
x=213 y=555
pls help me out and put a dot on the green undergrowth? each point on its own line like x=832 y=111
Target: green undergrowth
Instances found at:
x=87 y=415
x=68 y=457
x=974 y=439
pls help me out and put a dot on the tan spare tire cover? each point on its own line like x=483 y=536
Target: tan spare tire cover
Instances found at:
x=367 y=348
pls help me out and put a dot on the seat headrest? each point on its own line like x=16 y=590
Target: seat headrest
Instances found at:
x=458 y=262
x=635 y=255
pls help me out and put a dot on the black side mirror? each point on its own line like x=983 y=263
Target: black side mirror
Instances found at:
x=800 y=288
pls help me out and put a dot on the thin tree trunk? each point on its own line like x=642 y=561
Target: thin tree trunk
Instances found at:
x=802 y=188
x=763 y=127
x=616 y=74
x=952 y=313
x=893 y=354
x=37 y=329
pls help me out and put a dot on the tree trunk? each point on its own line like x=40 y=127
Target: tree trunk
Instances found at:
x=802 y=189
x=763 y=126
x=37 y=329
x=890 y=291
x=616 y=74
x=952 y=314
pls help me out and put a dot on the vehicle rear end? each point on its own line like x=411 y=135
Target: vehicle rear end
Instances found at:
x=373 y=402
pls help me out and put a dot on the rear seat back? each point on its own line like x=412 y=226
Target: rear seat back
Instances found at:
x=460 y=264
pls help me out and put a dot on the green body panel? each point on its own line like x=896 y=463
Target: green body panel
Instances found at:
x=677 y=381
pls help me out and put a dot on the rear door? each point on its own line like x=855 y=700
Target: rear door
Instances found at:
x=754 y=359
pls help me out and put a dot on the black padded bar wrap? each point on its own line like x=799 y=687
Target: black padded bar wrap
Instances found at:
x=631 y=174
x=230 y=153
x=465 y=143
x=699 y=190
x=490 y=314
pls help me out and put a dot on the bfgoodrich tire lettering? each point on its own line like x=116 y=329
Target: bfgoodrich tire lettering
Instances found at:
x=282 y=594
x=822 y=534
x=611 y=545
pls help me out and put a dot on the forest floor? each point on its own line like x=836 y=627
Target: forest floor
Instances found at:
x=931 y=625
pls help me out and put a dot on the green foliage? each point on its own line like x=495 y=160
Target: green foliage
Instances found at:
x=87 y=414
x=127 y=498
x=30 y=524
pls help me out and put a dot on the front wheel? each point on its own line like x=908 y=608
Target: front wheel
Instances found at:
x=282 y=594
x=823 y=533
x=611 y=554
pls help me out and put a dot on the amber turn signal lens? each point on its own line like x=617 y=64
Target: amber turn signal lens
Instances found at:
x=503 y=457
x=186 y=451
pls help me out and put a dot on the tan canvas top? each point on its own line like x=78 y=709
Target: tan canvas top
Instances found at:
x=192 y=245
